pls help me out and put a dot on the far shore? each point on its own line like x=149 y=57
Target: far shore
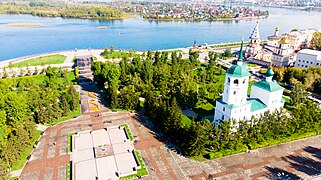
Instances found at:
x=24 y=25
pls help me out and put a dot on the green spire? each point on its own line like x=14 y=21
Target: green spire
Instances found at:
x=269 y=72
x=241 y=53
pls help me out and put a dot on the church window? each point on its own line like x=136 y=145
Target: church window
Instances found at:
x=244 y=81
x=228 y=80
x=299 y=60
x=317 y=64
x=223 y=108
x=311 y=62
x=236 y=81
x=222 y=117
x=234 y=92
x=307 y=61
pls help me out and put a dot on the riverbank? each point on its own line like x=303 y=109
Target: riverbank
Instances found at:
x=24 y=25
x=218 y=19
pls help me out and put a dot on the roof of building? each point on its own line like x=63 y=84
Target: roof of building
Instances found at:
x=310 y=51
x=231 y=106
x=256 y=104
x=238 y=70
x=268 y=86
x=256 y=32
x=285 y=40
x=274 y=37
x=269 y=72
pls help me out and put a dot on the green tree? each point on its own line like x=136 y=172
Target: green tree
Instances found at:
x=316 y=41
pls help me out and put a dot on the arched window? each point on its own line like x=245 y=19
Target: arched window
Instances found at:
x=222 y=117
x=236 y=81
x=228 y=80
x=244 y=81
x=223 y=108
x=234 y=92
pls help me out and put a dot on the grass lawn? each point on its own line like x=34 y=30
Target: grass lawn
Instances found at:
x=72 y=114
x=70 y=141
x=69 y=172
x=186 y=121
x=51 y=59
x=120 y=54
x=251 y=64
x=140 y=172
x=129 y=133
x=19 y=164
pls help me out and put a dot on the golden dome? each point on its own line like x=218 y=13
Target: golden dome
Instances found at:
x=284 y=40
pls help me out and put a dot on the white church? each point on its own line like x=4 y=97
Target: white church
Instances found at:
x=266 y=95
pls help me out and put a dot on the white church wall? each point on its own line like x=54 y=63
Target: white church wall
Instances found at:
x=235 y=93
x=261 y=94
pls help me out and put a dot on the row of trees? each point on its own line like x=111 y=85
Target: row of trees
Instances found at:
x=50 y=9
x=163 y=75
x=310 y=77
x=26 y=101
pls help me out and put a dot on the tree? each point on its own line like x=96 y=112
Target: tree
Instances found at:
x=227 y=53
x=173 y=121
x=298 y=94
x=65 y=106
x=316 y=41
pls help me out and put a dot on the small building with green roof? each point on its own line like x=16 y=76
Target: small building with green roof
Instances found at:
x=266 y=95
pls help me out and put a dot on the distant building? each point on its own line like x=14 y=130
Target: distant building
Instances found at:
x=283 y=53
x=307 y=58
x=254 y=46
x=273 y=40
x=266 y=95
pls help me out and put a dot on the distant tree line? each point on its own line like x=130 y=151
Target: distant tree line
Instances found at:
x=25 y=101
x=54 y=9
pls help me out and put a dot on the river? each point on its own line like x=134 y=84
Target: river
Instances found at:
x=63 y=34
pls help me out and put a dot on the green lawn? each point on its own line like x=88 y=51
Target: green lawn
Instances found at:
x=51 y=59
x=186 y=121
x=69 y=172
x=72 y=114
x=19 y=164
x=140 y=172
x=129 y=133
x=120 y=54
x=70 y=141
x=251 y=64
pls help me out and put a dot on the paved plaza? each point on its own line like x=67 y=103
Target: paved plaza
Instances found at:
x=103 y=154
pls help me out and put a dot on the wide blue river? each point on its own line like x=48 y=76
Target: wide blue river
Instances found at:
x=61 y=34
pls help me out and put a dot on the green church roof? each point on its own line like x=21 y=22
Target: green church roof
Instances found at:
x=268 y=86
x=238 y=71
x=269 y=72
x=256 y=104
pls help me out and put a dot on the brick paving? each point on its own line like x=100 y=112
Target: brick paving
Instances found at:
x=295 y=160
